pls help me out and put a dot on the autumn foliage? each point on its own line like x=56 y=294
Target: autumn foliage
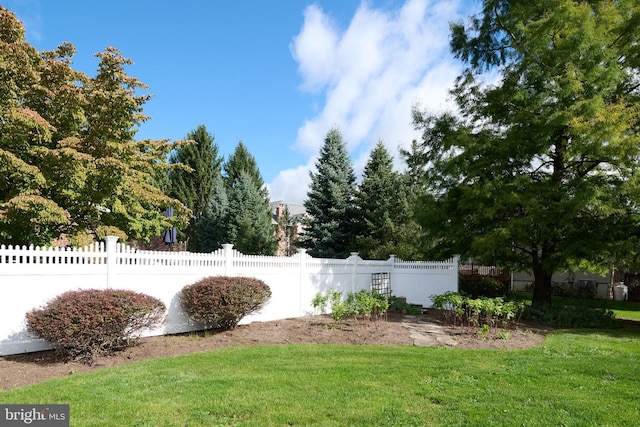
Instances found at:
x=221 y=302
x=88 y=323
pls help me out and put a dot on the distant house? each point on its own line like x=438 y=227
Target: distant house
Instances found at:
x=287 y=220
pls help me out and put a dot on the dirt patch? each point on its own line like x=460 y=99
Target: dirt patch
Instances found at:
x=25 y=369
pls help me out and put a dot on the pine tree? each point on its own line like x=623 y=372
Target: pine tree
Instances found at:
x=383 y=212
x=328 y=232
x=250 y=225
x=194 y=186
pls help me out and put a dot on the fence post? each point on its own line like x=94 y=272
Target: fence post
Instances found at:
x=456 y=268
x=111 y=243
x=392 y=272
x=354 y=275
x=228 y=258
x=302 y=256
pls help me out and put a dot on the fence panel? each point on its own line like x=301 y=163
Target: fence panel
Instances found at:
x=32 y=276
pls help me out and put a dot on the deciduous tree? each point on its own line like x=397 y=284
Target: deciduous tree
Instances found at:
x=69 y=163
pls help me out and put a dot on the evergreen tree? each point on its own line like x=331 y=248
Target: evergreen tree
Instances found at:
x=213 y=228
x=243 y=161
x=250 y=225
x=539 y=171
x=193 y=186
x=328 y=232
x=250 y=228
x=383 y=212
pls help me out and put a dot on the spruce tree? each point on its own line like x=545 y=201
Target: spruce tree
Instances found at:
x=250 y=225
x=328 y=232
x=383 y=212
x=213 y=229
x=194 y=186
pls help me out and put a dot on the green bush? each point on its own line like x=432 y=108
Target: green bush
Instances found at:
x=479 y=286
x=573 y=290
x=570 y=316
x=221 y=302
x=84 y=324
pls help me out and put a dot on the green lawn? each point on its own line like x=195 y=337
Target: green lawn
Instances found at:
x=581 y=378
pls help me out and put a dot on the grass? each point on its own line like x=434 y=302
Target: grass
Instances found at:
x=581 y=378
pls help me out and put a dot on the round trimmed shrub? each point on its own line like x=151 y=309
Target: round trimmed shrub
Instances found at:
x=87 y=323
x=221 y=302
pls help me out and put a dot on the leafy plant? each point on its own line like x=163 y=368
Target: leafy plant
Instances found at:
x=369 y=305
x=459 y=309
x=221 y=302
x=87 y=323
x=504 y=335
x=451 y=303
x=320 y=301
x=483 y=332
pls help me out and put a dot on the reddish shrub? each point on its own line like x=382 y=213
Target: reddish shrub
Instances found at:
x=87 y=323
x=221 y=302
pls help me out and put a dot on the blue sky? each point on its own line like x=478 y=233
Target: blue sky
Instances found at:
x=276 y=75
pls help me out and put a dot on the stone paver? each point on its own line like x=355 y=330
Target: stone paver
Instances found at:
x=427 y=334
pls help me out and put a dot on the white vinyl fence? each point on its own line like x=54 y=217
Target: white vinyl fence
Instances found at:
x=29 y=277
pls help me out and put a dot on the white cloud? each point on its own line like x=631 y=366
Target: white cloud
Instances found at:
x=291 y=185
x=370 y=75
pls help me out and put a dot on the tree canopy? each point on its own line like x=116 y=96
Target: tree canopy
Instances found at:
x=68 y=161
x=539 y=169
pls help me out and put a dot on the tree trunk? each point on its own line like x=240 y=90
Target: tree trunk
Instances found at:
x=541 y=287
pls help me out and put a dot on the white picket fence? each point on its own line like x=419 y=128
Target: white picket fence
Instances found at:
x=31 y=276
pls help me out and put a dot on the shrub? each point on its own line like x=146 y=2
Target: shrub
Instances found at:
x=486 y=286
x=87 y=323
x=570 y=316
x=573 y=290
x=221 y=302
